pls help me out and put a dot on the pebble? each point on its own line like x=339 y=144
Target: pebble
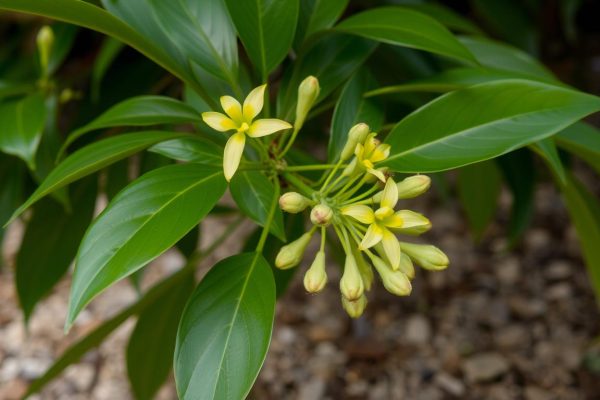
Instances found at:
x=558 y=270
x=485 y=367
x=313 y=389
x=508 y=270
x=527 y=308
x=450 y=384
x=535 y=393
x=559 y=291
x=512 y=336
x=418 y=330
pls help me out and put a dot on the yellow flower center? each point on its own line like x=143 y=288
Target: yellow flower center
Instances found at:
x=244 y=127
x=384 y=212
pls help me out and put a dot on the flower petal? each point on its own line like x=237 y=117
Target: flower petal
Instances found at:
x=218 y=121
x=390 y=194
x=233 y=108
x=380 y=153
x=391 y=247
x=264 y=127
x=360 y=213
x=395 y=221
x=233 y=154
x=373 y=236
x=254 y=102
x=377 y=173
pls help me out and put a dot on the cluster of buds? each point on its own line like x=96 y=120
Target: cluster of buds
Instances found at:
x=357 y=201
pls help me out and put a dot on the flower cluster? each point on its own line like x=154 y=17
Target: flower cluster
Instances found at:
x=352 y=204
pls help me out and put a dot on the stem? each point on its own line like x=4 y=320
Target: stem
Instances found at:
x=331 y=174
x=323 y=237
x=267 y=226
x=289 y=143
x=310 y=167
x=362 y=196
x=294 y=180
x=353 y=190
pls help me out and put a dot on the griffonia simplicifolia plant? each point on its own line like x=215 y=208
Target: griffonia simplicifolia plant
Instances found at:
x=318 y=118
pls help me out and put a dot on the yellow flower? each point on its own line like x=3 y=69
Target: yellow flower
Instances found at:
x=380 y=222
x=241 y=119
x=371 y=152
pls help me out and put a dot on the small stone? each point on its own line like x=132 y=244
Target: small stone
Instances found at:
x=286 y=335
x=32 y=368
x=558 y=270
x=81 y=376
x=527 y=308
x=357 y=389
x=485 y=367
x=450 y=384
x=508 y=271
x=380 y=391
x=327 y=330
x=314 y=389
x=535 y=393
x=13 y=390
x=418 y=330
x=510 y=337
x=559 y=291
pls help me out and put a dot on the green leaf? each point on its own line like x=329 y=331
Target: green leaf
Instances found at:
x=482 y=122
x=266 y=29
x=50 y=243
x=547 y=150
x=479 y=188
x=333 y=59
x=107 y=54
x=317 y=15
x=64 y=37
x=97 y=336
x=253 y=193
x=225 y=330
x=169 y=201
x=584 y=210
x=191 y=149
x=89 y=16
x=583 y=140
x=139 y=111
x=152 y=342
x=500 y=56
x=404 y=27
x=93 y=158
x=446 y=17
x=22 y=123
x=351 y=108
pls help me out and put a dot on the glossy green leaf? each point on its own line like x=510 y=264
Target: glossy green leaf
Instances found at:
x=500 y=56
x=225 y=330
x=333 y=59
x=405 y=27
x=266 y=29
x=451 y=134
x=584 y=210
x=519 y=173
x=170 y=200
x=583 y=140
x=479 y=188
x=191 y=149
x=446 y=17
x=253 y=193
x=93 y=158
x=316 y=15
x=140 y=111
x=152 y=342
x=21 y=125
x=97 y=336
x=548 y=151
x=50 y=243
x=351 y=108
x=89 y=16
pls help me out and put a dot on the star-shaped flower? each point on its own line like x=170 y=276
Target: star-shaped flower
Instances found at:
x=380 y=222
x=371 y=152
x=241 y=119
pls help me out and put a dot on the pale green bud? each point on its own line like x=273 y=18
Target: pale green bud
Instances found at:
x=45 y=41
x=355 y=308
x=357 y=134
x=409 y=187
x=351 y=284
x=293 y=202
x=308 y=91
x=315 y=278
x=413 y=223
x=321 y=215
x=427 y=256
x=406 y=266
x=395 y=282
x=365 y=270
x=291 y=254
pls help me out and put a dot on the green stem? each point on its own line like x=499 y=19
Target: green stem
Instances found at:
x=345 y=196
x=310 y=167
x=289 y=144
x=270 y=216
x=294 y=180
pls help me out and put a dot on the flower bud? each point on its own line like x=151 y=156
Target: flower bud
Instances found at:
x=365 y=270
x=410 y=187
x=291 y=254
x=355 y=308
x=427 y=256
x=413 y=223
x=351 y=284
x=293 y=202
x=315 y=278
x=308 y=91
x=45 y=41
x=406 y=266
x=395 y=282
x=321 y=215
x=357 y=134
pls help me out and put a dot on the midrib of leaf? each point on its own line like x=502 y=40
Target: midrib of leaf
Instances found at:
x=150 y=217
x=468 y=131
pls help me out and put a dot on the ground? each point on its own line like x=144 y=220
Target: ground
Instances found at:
x=499 y=324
